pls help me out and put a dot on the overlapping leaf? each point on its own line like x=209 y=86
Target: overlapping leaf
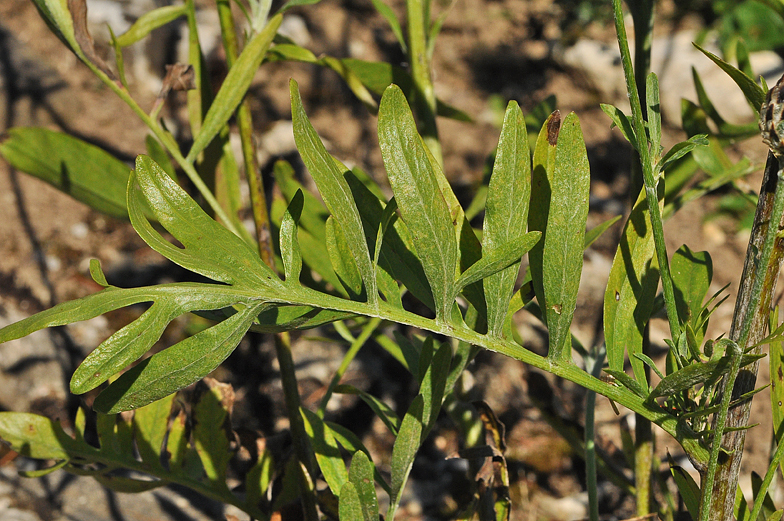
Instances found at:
x=419 y=197
x=334 y=189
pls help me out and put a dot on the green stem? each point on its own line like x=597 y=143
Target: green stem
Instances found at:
x=718 y=432
x=168 y=142
x=651 y=184
x=302 y=447
x=424 y=95
x=763 y=490
x=594 y=366
x=258 y=198
x=643 y=445
x=569 y=371
x=356 y=345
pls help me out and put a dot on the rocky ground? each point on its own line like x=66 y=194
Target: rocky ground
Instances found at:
x=489 y=51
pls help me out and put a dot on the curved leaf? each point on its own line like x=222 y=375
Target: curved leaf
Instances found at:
x=75 y=167
x=150 y=21
x=235 y=86
x=178 y=366
x=209 y=249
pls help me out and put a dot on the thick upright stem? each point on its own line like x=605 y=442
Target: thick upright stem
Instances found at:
x=245 y=123
x=757 y=285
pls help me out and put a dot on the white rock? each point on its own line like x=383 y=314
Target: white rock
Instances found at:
x=672 y=60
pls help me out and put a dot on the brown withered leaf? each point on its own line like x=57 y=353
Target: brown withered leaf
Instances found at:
x=78 y=9
x=179 y=76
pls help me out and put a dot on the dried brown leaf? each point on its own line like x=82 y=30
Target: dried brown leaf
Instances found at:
x=78 y=9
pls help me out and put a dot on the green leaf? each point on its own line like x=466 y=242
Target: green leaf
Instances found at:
x=506 y=256
x=342 y=262
x=234 y=87
x=688 y=488
x=159 y=156
x=777 y=381
x=628 y=382
x=290 y=51
x=753 y=92
x=150 y=21
x=695 y=374
x=360 y=474
x=149 y=429
x=621 y=121
x=177 y=366
x=377 y=76
x=329 y=177
x=260 y=477
x=35 y=436
x=594 y=233
x=212 y=428
x=692 y=273
x=289 y=243
x=349 y=505
x=725 y=129
x=294 y=3
x=404 y=451
x=79 y=169
x=327 y=451
x=768 y=508
x=56 y=15
x=314 y=251
x=394 y=24
x=654 y=113
x=288 y=318
x=209 y=249
x=352 y=443
x=539 y=210
x=631 y=288
x=419 y=197
x=396 y=257
x=314 y=214
x=681 y=149
x=382 y=410
x=433 y=386
x=506 y=212
x=565 y=236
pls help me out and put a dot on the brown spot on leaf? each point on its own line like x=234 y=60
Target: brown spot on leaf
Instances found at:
x=553 y=127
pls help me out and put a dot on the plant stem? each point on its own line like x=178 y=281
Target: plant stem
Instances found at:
x=569 y=371
x=594 y=366
x=258 y=198
x=356 y=345
x=168 y=142
x=424 y=95
x=302 y=447
x=643 y=445
x=718 y=433
x=651 y=182
x=758 y=282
